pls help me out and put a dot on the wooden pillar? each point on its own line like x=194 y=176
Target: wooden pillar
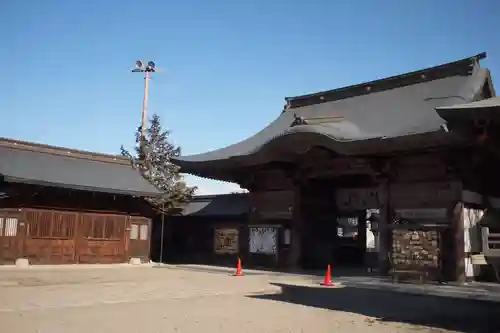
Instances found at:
x=296 y=229
x=22 y=230
x=384 y=231
x=458 y=242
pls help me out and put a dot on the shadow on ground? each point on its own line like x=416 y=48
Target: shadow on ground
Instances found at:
x=218 y=269
x=387 y=306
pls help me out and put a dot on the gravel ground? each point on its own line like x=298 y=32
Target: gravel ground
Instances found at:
x=152 y=300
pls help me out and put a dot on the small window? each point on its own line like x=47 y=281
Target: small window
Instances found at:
x=287 y=237
x=134 y=231
x=10 y=227
x=1 y=226
x=143 y=234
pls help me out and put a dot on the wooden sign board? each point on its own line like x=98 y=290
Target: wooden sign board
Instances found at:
x=226 y=240
x=425 y=194
x=358 y=198
x=422 y=213
x=415 y=248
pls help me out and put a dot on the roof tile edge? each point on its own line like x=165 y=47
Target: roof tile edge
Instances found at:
x=211 y=196
x=62 y=151
x=459 y=67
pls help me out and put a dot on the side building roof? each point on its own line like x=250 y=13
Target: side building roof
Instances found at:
x=227 y=205
x=38 y=164
x=396 y=113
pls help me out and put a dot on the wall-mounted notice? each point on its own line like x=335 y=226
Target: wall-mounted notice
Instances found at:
x=263 y=240
x=415 y=248
x=226 y=240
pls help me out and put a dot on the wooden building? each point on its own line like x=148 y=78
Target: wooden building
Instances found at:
x=206 y=232
x=400 y=146
x=60 y=206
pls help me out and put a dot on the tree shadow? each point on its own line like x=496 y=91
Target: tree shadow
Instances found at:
x=461 y=315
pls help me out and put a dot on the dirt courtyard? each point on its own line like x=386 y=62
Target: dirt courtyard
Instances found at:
x=147 y=299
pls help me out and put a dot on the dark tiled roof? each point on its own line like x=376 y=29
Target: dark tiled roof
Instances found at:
x=456 y=68
x=23 y=162
x=218 y=205
x=394 y=108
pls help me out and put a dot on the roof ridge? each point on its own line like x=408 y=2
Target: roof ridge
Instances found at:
x=213 y=196
x=62 y=151
x=459 y=67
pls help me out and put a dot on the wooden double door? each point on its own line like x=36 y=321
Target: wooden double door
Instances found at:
x=101 y=239
x=105 y=238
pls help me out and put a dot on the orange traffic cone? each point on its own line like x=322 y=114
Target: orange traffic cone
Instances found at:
x=239 y=271
x=328 y=278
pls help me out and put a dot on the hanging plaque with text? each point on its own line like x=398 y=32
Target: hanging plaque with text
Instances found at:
x=226 y=241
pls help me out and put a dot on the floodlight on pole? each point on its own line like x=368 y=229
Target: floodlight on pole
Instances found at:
x=140 y=67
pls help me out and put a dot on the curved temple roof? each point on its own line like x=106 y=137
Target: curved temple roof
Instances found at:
x=397 y=107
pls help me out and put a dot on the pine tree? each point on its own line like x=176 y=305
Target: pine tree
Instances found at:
x=152 y=158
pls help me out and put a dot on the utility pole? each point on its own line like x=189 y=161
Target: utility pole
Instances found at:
x=147 y=69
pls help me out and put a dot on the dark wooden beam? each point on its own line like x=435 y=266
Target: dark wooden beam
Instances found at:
x=24 y=195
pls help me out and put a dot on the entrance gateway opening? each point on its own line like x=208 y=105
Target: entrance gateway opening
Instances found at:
x=332 y=235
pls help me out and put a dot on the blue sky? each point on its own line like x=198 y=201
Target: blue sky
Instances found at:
x=228 y=64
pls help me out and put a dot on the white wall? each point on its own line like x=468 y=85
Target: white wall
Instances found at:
x=472 y=238
x=372 y=242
